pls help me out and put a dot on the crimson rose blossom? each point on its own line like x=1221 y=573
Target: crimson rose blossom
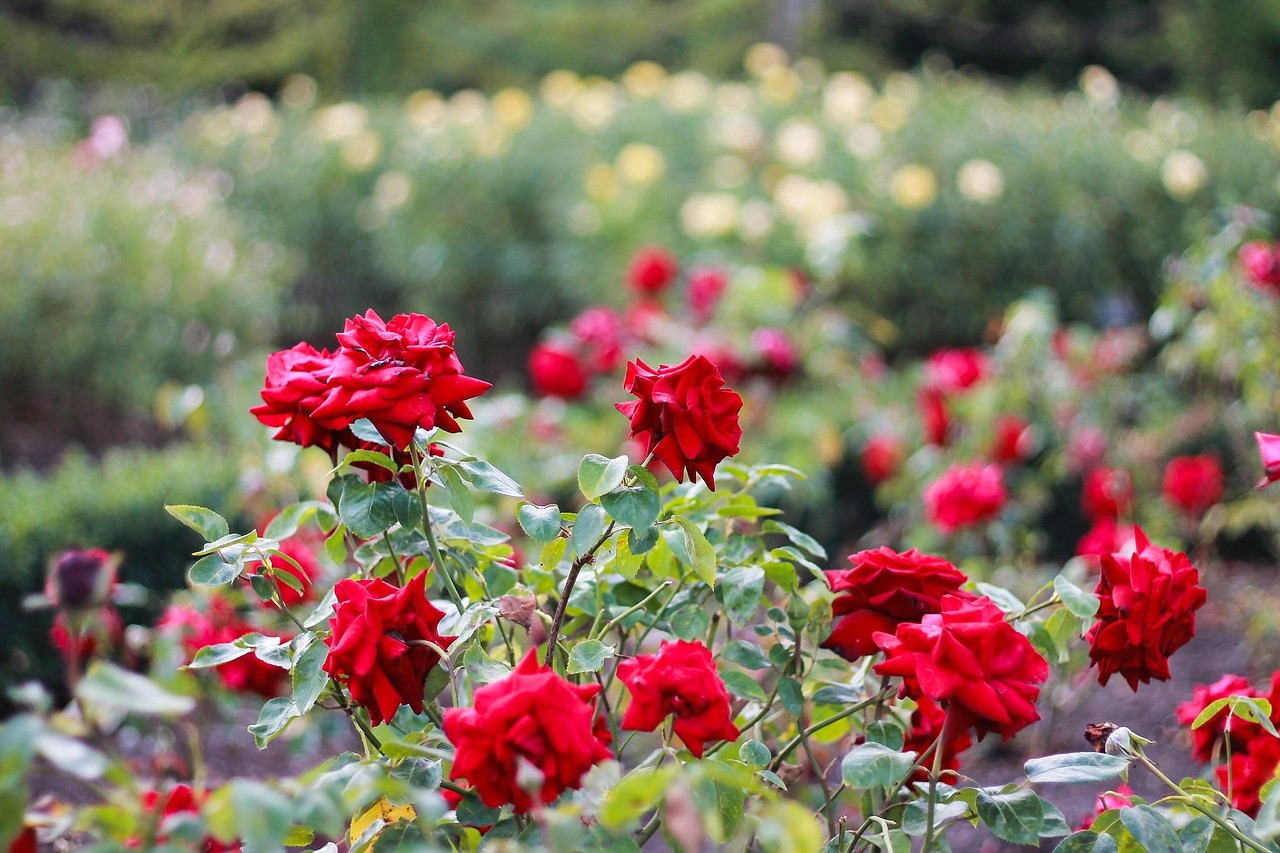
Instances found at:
x=1269 y=450
x=296 y=384
x=778 y=357
x=706 y=286
x=401 y=375
x=1250 y=772
x=681 y=679
x=951 y=371
x=534 y=717
x=1192 y=484
x=966 y=657
x=964 y=496
x=1148 y=602
x=375 y=648
x=1107 y=492
x=935 y=421
x=883 y=590
x=80 y=579
x=684 y=415
x=180 y=800
x=1261 y=264
x=1014 y=440
x=601 y=333
x=556 y=370
x=1214 y=731
x=651 y=271
x=880 y=457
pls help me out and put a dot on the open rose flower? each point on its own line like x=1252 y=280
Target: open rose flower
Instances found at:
x=1214 y=731
x=1261 y=264
x=681 y=679
x=1192 y=484
x=972 y=662
x=651 y=271
x=706 y=286
x=883 y=590
x=684 y=415
x=297 y=381
x=881 y=456
x=1269 y=451
x=530 y=720
x=1250 y=772
x=1014 y=440
x=1108 y=492
x=1148 y=603
x=953 y=370
x=601 y=334
x=384 y=643
x=776 y=356
x=401 y=375
x=965 y=495
x=557 y=370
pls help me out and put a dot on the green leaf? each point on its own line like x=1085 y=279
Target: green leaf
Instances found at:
x=407 y=508
x=1151 y=829
x=70 y=755
x=261 y=814
x=214 y=570
x=791 y=695
x=746 y=654
x=1087 y=841
x=639 y=542
x=482 y=668
x=1001 y=597
x=287 y=521
x=366 y=508
x=1267 y=825
x=690 y=623
x=1081 y=603
x=110 y=686
x=307 y=677
x=206 y=522
x=886 y=733
x=1210 y=711
x=871 y=765
x=798 y=537
x=635 y=506
x=1075 y=767
x=836 y=694
x=742 y=685
x=552 y=553
x=589 y=656
x=588 y=528
x=540 y=523
x=217 y=655
x=460 y=497
x=741 y=588
x=1016 y=816
x=626 y=563
x=275 y=718
x=598 y=475
x=644 y=475
x=364 y=430
x=702 y=554
x=487 y=478
x=373 y=457
x=1255 y=709
x=754 y=754
x=637 y=792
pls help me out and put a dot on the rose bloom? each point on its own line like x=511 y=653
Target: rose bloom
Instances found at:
x=926 y=724
x=651 y=271
x=1107 y=492
x=681 y=679
x=1261 y=265
x=532 y=717
x=966 y=657
x=1014 y=440
x=777 y=356
x=1086 y=448
x=377 y=648
x=401 y=375
x=600 y=334
x=297 y=381
x=706 y=286
x=1148 y=602
x=81 y=578
x=1192 y=484
x=26 y=841
x=881 y=456
x=965 y=495
x=556 y=370
x=684 y=415
x=1103 y=538
x=952 y=370
x=1205 y=739
x=180 y=800
x=883 y=590
x=935 y=421
x=1120 y=799
x=1269 y=451
x=1250 y=772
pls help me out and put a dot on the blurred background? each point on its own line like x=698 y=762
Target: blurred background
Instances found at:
x=185 y=187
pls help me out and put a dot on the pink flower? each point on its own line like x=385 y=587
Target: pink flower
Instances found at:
x=778 y=355
x=1014 y=441
x=706 y=286
x=964 y=496
x=601 y=335
x=1269 y=450
x=951 y=371
x=1261 y=265
x=651 y=271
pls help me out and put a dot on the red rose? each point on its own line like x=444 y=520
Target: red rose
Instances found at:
x=883 y=590
x=400 y=375
x=965 y=495
x=1192 y=484
x=935 y=421
x=306 y=572
x=1148 y=611
x=84 y=633
x=180 y=800
x=377 y=648
x=81 y=579
x=600 y=332
x=556 y=370
x=777 y=355
x=297 y=381
x=1014 y=440
x=926 y=725
x=248 y=673
x=950 y=371
x=1250 y=772
x=1205 y=739
x=26 y=841
x=685 y=415
x=651 y=271
x=1269 y=451
x=880 y=457
x=966 y=657
x=1107 y=492
x=680 y=679
x=1120 y=799
x=1103 y=538
x=1261 y=265
x=533 y=717
x=706 y=286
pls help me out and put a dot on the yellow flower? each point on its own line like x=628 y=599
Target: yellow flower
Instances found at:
x=914 y=187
